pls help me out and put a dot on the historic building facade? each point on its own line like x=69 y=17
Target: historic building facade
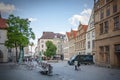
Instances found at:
x=56 y=38
x=71 y=42
x=80 y=46
x=107 y=29
x=90 y=35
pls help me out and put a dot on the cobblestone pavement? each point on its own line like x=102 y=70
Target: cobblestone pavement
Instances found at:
x=87 y=72
x=61 y=71
x=11 y=71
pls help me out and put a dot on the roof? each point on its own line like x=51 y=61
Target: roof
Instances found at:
x=3 y=24
x=73 y=33
x=84 y=27
x=51 y=35
x=58 y=35
x=68 y=34
x=47 y=35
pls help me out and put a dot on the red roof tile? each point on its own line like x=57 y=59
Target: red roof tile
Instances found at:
x=74 y=33
x=3 y=23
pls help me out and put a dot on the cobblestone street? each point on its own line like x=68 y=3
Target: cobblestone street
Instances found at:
x=61 y=71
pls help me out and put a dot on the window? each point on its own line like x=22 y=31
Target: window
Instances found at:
x=88 y=35
x=114 y=7
x=91 y=24
x=107 y=49
x=108 y=10
x=42 y=45
x=117 y=48
x=88 y=44
x=101 y=28
x=101 y=14
x=93 y=43
x=101 y=49
x=106 y=27
x=116 y=23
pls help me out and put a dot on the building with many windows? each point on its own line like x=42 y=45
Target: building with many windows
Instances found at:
x=107 y=29
x=71 y=42
x=90 y=35
x=80 y=46
x=56 y=38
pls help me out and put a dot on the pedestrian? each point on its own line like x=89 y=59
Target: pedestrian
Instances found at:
x=76 y=65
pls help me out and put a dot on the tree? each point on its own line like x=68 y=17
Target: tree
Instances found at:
x=31 y=44
x=51 y=49
x=18 y=33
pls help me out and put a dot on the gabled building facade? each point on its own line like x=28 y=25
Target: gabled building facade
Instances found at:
x=71 y=42
x=107 y=28
x=80 y=46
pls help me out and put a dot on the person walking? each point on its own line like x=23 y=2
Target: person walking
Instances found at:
x=76 y=65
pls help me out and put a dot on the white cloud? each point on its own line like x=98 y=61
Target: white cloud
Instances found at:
x=83 y=17
x=62 y=32
x=7 y=8
x=32 y=19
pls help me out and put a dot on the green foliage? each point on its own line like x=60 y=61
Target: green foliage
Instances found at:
x=51 y=49
x=31 y=44
x=19 y=32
